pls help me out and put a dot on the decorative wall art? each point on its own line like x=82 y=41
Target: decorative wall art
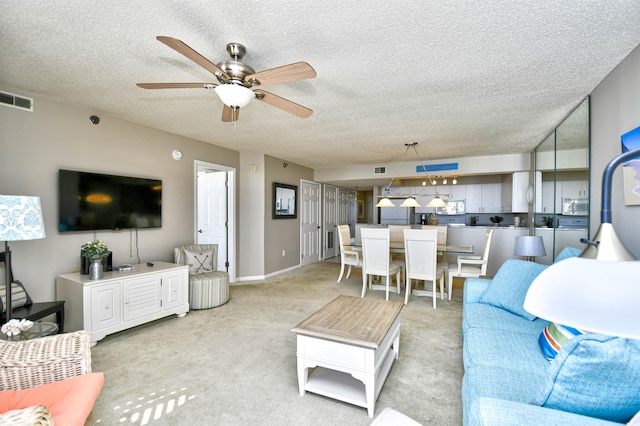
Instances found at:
x=631 y=169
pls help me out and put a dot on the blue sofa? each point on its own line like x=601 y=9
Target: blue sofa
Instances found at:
x=593 y=379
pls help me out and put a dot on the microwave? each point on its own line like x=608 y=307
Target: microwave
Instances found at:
x=575 y=206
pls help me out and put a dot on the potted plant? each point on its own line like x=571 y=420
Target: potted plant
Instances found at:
x=496 y=220
x=96 y=251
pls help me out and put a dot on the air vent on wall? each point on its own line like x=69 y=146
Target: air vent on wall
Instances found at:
x=380 y=170
x=15 y=101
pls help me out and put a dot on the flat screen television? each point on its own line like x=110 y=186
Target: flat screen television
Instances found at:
x=93 y=201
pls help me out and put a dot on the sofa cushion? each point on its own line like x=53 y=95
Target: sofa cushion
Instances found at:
x=492 y=412
x=567 y=253
x=517 y=351
x=69 y=401
x=498 y=382
x=510 y=285
x=553 y=336
x=595 y=375
x=481 y=315
x=199 y=261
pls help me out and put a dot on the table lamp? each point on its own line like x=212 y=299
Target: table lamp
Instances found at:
x=20 y=219
x=529 y=246
x=598 y=290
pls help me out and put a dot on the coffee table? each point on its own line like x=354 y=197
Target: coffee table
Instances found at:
x=347 y=348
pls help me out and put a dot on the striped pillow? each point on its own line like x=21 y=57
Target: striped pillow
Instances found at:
x=554 y=336
x=19 y=296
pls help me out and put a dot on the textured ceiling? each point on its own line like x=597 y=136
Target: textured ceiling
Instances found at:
x=462 y=78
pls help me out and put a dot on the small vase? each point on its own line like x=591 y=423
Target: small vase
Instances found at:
x=95 y=269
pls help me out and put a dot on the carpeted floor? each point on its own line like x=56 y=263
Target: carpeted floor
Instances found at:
x=236 y=364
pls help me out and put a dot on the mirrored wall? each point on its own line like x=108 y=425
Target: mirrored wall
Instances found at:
x=561 y=208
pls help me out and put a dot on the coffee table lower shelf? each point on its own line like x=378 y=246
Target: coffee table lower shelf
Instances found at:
x=344 y=387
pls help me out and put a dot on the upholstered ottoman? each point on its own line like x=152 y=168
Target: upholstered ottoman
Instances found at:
x=208 y=287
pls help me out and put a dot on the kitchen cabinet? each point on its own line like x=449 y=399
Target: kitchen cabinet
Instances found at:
x=513 y=194
x=575 y=189
x=551 y=197
x=564 y=237
x=123 y=299
x=483 y=198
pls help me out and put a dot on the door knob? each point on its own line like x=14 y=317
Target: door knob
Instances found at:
x=199 y=231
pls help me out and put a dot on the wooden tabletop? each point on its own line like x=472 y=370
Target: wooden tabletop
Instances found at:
x=352 y=320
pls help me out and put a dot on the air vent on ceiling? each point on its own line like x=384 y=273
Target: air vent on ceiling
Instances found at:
x=380 y=170
x=15 y=101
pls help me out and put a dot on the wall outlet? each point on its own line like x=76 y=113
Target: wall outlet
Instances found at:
x=284 y=252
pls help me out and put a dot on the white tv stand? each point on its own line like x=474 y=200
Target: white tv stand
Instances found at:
x=123 y=299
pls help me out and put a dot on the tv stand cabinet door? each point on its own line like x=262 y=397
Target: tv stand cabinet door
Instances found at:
x=142 y=296
x=106 y=306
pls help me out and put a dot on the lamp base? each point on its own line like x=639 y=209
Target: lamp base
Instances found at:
x=605 y=245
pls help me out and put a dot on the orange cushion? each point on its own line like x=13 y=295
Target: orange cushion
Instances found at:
x=69 y=401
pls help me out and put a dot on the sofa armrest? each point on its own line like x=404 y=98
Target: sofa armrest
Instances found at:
x=473 y=289
x=491 y=412
x=29 y=363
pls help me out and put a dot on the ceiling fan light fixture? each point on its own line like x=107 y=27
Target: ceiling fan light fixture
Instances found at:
x=234 y=95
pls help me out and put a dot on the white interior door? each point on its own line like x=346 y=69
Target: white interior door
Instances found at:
x=309 y=222
x=215 y=212
x=212 y=212
x=330 y=221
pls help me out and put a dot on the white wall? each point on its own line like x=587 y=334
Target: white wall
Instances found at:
x=615 y=110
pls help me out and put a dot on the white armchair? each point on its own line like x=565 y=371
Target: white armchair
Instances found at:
x=472 y=266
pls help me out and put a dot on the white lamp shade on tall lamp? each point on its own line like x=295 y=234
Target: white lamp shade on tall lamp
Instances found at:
x=20 y=218
x=234 y=95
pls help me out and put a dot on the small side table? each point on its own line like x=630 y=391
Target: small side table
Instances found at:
x=39 y=329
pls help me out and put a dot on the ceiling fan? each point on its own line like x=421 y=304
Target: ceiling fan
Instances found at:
x=237 y=81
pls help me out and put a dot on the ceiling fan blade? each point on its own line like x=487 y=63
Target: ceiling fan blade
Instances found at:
x=185 y=50
x=284 y=104
x=230 y=114
x=177 y=85
x=291 y=72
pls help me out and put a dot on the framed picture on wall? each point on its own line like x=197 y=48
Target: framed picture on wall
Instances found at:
x=285 y=198
x=631 y=169
x=360 y=209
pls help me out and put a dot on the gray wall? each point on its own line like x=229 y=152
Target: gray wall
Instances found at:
x=615 y=110
x=34 y=145
x=282 y=234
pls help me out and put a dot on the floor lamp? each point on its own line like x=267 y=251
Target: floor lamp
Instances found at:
x=597 y=291
x=529 y=246
x=20 y=219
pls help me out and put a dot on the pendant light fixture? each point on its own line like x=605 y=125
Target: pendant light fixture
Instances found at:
x=385 y=200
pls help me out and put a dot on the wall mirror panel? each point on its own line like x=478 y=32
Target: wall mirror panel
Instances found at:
x=562 y=185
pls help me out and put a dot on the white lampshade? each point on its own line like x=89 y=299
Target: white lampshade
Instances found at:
x=234 y=95
x=529 y=245
x=385 y=202
x=20 y=218
x=589 y=294
x=436 y=202
x=410 y=202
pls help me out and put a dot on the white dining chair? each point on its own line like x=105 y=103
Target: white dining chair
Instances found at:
x=473 y=266
x=376 y=259
x=443 y=263
x=349 y=256
x=421 y=259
